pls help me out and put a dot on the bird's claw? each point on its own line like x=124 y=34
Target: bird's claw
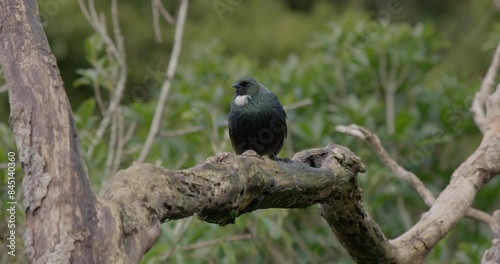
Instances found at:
x=273 y=157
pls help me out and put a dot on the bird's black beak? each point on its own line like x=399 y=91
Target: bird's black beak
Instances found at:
x=236 y=86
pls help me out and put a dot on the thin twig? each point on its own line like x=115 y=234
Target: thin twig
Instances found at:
x=479 y=103
x=119 y=143
x=350 y=131
x=214 y=242
x=115 y=151
x=278 y=256
x=130 y=132
x=120 y=43
x=122 y=80
x=156 y=22
x=393 y=73
x=181 y=132
x=403 y=174
x=496 y=230
x=405 y=215
x=98 y=97
x=298 y=104
x=132 y=149
x=181 y=161
x=403 y=75
x=168 y=17
x=382 y=70
x=215 y=141
x=180 y=228
x=111 y=149
x=399 y=171
x=117 y=49
x=99 y=26
x=297 y=237
x=165 y=89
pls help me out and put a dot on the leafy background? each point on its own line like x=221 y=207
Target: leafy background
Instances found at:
x=335 y=53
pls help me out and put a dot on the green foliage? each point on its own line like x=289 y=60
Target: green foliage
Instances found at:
x=344 y=66
x=101 y=69
x=343 y=74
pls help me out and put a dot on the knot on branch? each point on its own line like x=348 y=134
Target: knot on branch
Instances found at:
x=331 y=155
x=491 y=140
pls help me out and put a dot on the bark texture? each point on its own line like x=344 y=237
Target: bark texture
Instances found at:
x=223 y=188
x=61 y=208
x=492 y=255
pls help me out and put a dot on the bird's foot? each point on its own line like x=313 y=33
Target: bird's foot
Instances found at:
x=273 y=157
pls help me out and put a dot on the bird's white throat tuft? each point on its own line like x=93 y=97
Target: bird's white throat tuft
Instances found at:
x=242 y=100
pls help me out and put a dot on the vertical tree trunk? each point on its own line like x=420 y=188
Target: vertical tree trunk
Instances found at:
x=59 y=201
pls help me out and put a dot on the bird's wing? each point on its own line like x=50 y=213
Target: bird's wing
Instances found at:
x=281 y=112
x=230 y=125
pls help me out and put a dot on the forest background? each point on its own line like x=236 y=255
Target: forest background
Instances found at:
x=406 y=70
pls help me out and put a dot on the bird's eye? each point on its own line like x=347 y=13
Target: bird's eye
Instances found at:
x=245 y=84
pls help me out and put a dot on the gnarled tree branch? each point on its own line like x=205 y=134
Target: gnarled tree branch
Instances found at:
x=167 y=84
x=448 y=208
x=223 y=188
x=353 y=227
x=67 y=222
x=470 y=176
x=403 y=174
x=492 y=255
x=479 y=102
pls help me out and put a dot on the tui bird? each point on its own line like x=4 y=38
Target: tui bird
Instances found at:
x=257 y=120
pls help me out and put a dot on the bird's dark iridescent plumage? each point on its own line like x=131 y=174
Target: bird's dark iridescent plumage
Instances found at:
x=257 y=120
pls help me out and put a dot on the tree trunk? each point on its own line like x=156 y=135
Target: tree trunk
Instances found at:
x=61 y=207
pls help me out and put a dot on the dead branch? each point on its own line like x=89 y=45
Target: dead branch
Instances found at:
x=214 y=242
x=403 y=174
x=117 y=48
x=492 y=255
x=225 y=187
x=467 y=179
x=181 y=132
x=167 y=84
x=478 y=107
